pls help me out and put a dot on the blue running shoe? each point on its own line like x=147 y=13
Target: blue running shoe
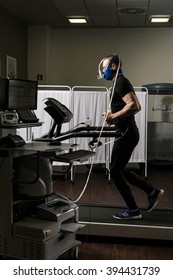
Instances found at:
x=154 y=198
x=128 y=214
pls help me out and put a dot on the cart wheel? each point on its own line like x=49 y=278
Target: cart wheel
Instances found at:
x=73 y=253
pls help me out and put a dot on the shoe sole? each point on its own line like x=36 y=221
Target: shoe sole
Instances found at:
x=156 y=202
x=128 y=218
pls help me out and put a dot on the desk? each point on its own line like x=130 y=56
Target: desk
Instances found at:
x=11 y=129
x=21 y=125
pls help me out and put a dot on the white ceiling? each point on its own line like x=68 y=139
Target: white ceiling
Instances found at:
x=100 y=13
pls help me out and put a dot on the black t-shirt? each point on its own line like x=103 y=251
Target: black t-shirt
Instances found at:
x=122 y=87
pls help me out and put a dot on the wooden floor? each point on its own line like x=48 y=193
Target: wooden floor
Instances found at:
x=100 y=191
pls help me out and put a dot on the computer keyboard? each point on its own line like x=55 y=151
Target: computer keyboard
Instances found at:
x=75 y=156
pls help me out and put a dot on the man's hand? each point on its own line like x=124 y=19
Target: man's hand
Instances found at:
x=109 y=117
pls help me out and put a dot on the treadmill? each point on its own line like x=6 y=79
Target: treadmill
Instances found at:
x=98 y=219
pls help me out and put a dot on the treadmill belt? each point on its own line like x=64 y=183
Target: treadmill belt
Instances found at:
x=104 y=214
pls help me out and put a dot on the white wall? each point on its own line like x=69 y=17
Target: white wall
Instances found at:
x=39 y=52
x=71 y=56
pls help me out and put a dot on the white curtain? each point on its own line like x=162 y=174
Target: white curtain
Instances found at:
x=90 y=102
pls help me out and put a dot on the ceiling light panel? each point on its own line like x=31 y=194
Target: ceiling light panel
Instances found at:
x=160 y=19
x=77 y=20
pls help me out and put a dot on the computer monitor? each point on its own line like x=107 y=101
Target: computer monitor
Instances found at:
x=18 y=94
x=22 y=94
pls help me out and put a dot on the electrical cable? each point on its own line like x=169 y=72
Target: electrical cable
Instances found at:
x=104 y=121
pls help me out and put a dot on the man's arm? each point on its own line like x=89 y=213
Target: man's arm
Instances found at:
x=132 y=106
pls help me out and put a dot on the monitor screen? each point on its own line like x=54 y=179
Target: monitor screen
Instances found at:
x=22 y=94
x=18 y=94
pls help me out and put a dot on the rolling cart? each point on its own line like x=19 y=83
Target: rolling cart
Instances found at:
x=35 y=223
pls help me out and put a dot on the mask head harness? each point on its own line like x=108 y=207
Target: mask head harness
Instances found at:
x=108 y=72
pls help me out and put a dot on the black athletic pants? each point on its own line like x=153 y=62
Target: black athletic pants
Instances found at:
x=123 y=179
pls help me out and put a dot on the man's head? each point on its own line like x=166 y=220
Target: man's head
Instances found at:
x=109 y=66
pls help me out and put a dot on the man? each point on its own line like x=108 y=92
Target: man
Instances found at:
x=124 y=106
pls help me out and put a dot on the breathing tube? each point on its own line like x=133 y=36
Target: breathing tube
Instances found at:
x=101 y=75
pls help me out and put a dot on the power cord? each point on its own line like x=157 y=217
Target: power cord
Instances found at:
x=104 y=121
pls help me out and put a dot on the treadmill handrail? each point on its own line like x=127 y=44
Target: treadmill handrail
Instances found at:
x=90 y=128
x=86 y=134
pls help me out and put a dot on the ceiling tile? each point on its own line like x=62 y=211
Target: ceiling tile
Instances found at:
x=100 y=13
